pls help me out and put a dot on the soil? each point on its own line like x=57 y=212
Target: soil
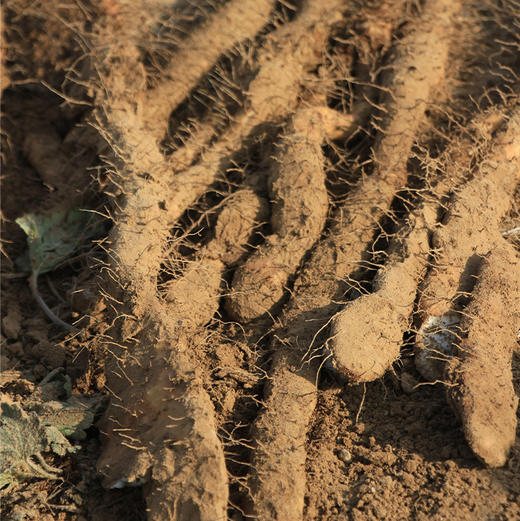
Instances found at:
x=204 y=304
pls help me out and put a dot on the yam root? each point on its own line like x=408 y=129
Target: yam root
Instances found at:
x=481 y=382
x=367 y=335
x=201 y=281
x=299 y=208
x=470 y=229
x=278 y=480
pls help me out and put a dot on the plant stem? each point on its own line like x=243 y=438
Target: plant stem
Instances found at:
x=33 y=283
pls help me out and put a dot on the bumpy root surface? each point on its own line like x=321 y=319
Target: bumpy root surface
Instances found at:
x=481 y=389
x=299 y=208
x=293 y=380
x=367 y=350
x=467 y=232
x=296 y=189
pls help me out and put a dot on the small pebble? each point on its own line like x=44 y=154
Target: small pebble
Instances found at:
x=345 y=455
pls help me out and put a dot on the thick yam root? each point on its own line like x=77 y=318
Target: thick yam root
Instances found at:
x=418 y=70
x=299 y=209
x=160 y=429
x=470 y=229
x=278 y=482
x=143 y=415
x=366 y=336
x=481 y=388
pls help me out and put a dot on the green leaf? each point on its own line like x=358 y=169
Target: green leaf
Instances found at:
x=54 y=238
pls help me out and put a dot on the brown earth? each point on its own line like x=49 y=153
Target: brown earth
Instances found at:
x=295 y=193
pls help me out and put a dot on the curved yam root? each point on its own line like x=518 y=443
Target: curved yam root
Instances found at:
x=480 y=375
x=299 y=198
x=366 y=336
x=201 y=281
x=471 y=229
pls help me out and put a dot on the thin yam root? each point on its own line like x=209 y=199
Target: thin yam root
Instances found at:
x=278 y=476
x=468 y=231
x=481 y=381
x=299 y=208
x=364 y=353
x=235 y=22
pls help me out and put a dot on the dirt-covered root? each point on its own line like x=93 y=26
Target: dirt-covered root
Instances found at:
x=157 y=393
x=154 y=201
x=366 y=336
x=193 y=297
x=418 y=72
x=279 y=463
x=480 y=378
x=151 y=203
x=235 y=22
x=299 y=208
x=160 y=431
x=469 y=230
